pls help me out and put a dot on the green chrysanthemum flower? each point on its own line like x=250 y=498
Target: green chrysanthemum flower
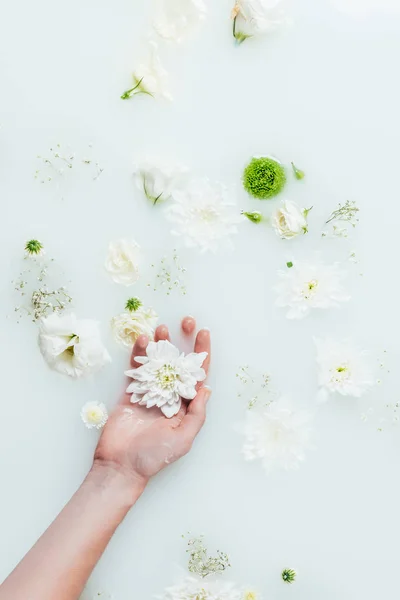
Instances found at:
x=264 y=178
x=288 y=575
x=33 y=247
x=133 y=304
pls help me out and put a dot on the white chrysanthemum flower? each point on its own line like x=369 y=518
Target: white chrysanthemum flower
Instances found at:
x=191 y=588
x=150 y=77
x=72 y=346
x=253 y=17
x=165 y=377
x=277 y=435
x=94 y=415
x=343 y=368
x=290 y=220
x=176 y=19
x=306 y=286
x=128 y=326
x=122 y=262
x=203 y=216
x=156 y=180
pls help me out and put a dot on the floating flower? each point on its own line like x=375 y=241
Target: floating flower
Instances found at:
x=165 y=377
x=203 y=215
x=122 y=262
x=251 y=595
x=290 y=220
x=34 y=248
x=176 y=19
x=343 y=368
x=72 y=346
x=94 y=415
x=150 y=77
x=277 y=435
x=158 y=181
x=193 y=589
x=288 y=575
x=253 y=17
x=201 y=563
x=128 y=326
x=264 y=177
x=304 y=286
x=298 y=173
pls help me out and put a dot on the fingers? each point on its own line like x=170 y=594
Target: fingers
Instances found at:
x=195 y=416
x=203 y=344
x=161 y=333
x=188 y=325
x=139 y=349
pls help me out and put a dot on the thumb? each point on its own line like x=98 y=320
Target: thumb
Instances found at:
x=195 y=416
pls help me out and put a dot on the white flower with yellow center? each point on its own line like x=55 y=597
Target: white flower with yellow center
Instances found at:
x=165 y=377
x=305 y=286
x=343 y=369
x=72 y=346
x=122 y=263
x=203 y=216
x=176 y=19
x=94 y=415
x=192 y=588
x=277 y=435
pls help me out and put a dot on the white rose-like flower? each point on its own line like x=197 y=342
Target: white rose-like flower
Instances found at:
x=192 y=588
x=158 y=180
x=176 y=19
x=290 y=220
x=277 y=435
x=150 y=77
x=122 y=263
x=343 y=368
x=165 y=377
x=306 y=286
x=203 y=216
x=128 y=326
x=72 y=346
x=94 y=415
x=252 y=17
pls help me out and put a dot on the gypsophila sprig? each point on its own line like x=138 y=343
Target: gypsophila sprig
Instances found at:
x=170 y=275
x=264 y=177
x=201 y=563
x=346 y=213
x=254 y=387
x=133 y=304
x=33 y=247
x=60 y=161
x=298 y=173
x=288 y=575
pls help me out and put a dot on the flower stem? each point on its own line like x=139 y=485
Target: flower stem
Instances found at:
x=133 y=92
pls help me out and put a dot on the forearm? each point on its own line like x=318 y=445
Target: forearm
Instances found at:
x=62 y=560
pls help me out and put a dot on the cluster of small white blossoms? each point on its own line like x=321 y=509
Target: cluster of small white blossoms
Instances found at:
x=192 y=588
x=60 y=161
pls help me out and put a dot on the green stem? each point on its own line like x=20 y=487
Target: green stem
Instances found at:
x=133 y=92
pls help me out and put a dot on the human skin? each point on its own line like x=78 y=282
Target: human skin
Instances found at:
x=136 y=443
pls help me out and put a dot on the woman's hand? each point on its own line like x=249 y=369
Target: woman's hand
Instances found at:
x=137 y=441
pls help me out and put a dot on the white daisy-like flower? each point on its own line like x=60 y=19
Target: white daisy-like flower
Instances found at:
x=158 y=180
x=72 y=346
x=203 y=216
x=165 y=377
x=254 y=17
x=176 y=19
x=122 y=263
x=290 y=220
x=128 y=326
x=277 y=435
x=305 y=286
x=192 y=588
x=94 y=415
x=343 y=368
x=150 y=77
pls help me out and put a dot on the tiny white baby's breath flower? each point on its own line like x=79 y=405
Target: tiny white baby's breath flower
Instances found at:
x=192 y=588
x=94 y=415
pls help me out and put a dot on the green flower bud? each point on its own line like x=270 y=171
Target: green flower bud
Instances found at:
x=297 y=172
x=288 y=575
x=254 y=217
x=33 y=247
x=133 y=304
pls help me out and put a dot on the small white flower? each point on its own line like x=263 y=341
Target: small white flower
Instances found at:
x=150 y=77
x=94 y=415
x=290 y=220
x=203 y=215
x=128 y=326
x=192 y=588
x=306 y=286
x=72 y=346
x=122 y=262
x=343 y=368
x=252 y=17
x=176 y=19
x=277 y=435
x=157 y=181
x=165 y=377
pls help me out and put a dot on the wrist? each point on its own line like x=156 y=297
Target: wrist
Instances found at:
x=108 y=478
